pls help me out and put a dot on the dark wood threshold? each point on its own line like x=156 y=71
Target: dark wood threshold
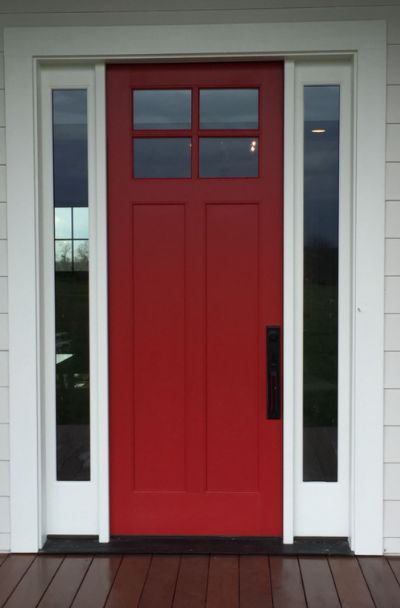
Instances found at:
x=199 y=545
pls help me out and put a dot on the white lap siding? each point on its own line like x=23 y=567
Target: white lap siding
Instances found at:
x=392 y=302
x=4 y=440
x=83 y=12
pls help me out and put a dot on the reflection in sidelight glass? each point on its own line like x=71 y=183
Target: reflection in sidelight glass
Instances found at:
x=162 y=109
x=229 y=108
x=71 y=248
x=228 y=156
x=158 y=157
x=70 y=148
x=321 y=219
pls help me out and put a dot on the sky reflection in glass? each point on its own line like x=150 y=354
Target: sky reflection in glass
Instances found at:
x=229 y=108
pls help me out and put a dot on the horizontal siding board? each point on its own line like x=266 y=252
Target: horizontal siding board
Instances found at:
x=392 y=407
x=393 y=64
x=3 y=220
x=393 y=104
x=4 y=413
x=4 y=478
x=3 y=184
x=3 y=331
x=392 y=294
x=391 y=518
x=392 y=332
x=392 y=256
x=205 y=15
x=1 y=71
x=393 y=181
x=3 y=258
x=3 y=368
x=392 y=370
x=393 y=220
x=392 y=444
x=4 y=514
x=392 y=481
x=4 y=442
x=2 y=145
x=393 y=30
x=393 y=143
x=2 y=109
x=3 y=294
x=9 y=6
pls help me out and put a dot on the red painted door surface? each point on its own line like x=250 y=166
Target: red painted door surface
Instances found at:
x=195 y=276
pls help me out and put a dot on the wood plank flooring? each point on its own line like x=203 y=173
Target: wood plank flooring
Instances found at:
x=195 y=581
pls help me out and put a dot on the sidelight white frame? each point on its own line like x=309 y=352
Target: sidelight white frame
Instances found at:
x=322 y=509
x=71 y=507
x=26 y=49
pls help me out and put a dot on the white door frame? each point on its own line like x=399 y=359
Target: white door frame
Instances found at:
x=365 y=42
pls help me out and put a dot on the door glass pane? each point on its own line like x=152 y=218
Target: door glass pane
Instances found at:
x=228 y=157
x=71 y=284
x=229 y=109
x=162 y=157
x=161 y=109
x=321 y=215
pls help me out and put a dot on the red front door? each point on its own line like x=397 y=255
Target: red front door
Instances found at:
x=195 y=277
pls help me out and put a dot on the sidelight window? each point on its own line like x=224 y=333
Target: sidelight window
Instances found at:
x=321 y=256
x=71 y=251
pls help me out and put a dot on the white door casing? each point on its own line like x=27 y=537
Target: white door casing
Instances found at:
x=25 y=51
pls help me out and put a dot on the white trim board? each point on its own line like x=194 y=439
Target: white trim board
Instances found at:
x=366 y=43
x=71 y=507
x=320 y=508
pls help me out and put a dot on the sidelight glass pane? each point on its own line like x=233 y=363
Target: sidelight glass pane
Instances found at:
x=321 y=240
x=70 y=166
x=81 y=222
x=228 y=157
x=81 y=255
x=229 y=108
x=71 y=249
x=159 y=157
x=63 y=223
x=63 y=255
x=162 y=109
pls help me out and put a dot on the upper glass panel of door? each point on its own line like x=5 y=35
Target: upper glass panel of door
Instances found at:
x=228 y=109
x=162 y=109
x=210 y=147
x=172 y=109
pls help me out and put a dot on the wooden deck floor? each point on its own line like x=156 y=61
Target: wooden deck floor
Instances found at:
x=190 y=581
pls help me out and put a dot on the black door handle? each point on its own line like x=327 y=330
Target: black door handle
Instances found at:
x=273 y=357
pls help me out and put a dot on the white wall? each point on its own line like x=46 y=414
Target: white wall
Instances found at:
x=4 y=452
x=392 y=301
x=48 y=12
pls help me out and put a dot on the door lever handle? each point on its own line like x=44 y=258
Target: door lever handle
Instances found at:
x=273 y=358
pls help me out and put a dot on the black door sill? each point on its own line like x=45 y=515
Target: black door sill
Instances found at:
x=222 y=545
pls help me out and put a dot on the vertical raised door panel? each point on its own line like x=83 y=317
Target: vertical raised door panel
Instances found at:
x=158 y=458
x=232 y=349
x=195 y=276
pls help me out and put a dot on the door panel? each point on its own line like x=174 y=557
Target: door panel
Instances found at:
x=231 y=351
x=159 y=347
x=195 y=276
